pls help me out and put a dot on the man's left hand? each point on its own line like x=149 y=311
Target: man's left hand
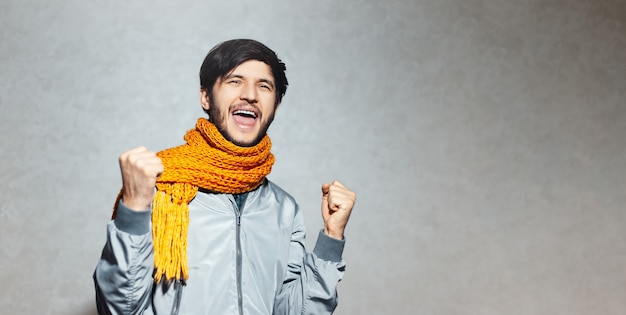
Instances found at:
x=337 y=203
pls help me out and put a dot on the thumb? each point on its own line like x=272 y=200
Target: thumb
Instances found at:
x=325 y=189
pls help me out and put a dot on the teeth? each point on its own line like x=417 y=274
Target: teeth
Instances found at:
x=245 y=112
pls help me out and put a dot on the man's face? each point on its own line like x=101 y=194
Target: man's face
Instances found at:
x=242 y=106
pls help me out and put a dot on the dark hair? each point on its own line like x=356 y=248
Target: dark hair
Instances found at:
x=228 y=55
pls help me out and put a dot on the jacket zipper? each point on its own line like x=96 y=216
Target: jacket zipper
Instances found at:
x=238 y=261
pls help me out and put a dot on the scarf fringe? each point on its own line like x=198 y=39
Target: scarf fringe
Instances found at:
x=169 y=235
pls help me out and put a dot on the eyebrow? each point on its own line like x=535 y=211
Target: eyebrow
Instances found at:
x=239 y=76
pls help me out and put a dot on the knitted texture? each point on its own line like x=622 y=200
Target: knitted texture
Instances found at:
x=207 y=161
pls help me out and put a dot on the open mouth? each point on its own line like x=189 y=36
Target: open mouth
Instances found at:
x=245 y=113
x=245 y=118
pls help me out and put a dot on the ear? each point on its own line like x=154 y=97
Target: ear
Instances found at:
x=204 y=99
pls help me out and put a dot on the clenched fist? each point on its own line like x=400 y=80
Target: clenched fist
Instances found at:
x=337 y=203
x=140 y=170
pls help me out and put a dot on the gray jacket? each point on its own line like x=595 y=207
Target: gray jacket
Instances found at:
x=242 y=260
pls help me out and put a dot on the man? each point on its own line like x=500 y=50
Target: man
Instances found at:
x=215 y=236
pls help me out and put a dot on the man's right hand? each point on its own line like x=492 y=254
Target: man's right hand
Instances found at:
x=140 y=170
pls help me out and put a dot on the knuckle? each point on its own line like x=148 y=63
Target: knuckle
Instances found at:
x=124 y=156
x=135 y=161
x=132 y=158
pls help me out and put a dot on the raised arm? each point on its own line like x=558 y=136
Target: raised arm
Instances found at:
x=123 y=276
x=310 y=286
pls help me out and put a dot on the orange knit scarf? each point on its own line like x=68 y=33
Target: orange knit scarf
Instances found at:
x=207 y=161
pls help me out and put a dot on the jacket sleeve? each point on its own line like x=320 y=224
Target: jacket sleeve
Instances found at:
x=123 y=276
x=310 y=285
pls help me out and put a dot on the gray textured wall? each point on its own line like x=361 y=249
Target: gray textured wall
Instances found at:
x=486 y=140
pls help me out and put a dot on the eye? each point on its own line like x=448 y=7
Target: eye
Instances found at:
x=234 y=81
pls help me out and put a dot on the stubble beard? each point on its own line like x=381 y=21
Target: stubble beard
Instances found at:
x=218 y=118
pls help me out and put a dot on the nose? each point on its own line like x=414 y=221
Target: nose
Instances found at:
x=248 y=93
